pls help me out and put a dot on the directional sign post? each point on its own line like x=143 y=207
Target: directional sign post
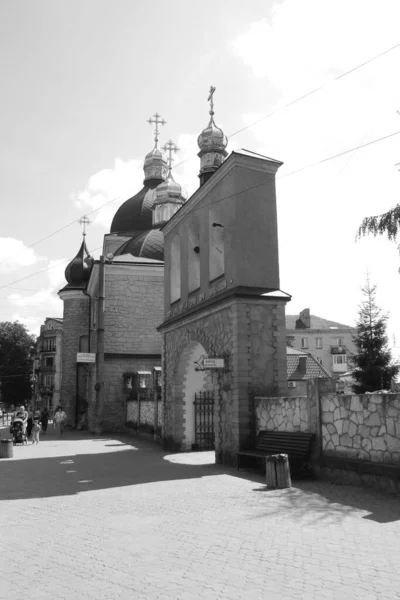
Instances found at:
x=86 y=357
x=213 y=363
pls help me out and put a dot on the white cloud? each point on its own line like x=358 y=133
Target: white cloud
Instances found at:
x=32 y=323
x=307 y=42
x=15 y=255
x=56 y=272
x=113 y=186
x=45 y=299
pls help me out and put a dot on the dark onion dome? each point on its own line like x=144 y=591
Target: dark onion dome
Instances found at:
x=146 y=244
x=136 y=213
x=78 y=271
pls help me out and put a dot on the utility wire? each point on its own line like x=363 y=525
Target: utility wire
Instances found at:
x=310 y=166
x=42 y=271
x=303 y=97
x=287 y=105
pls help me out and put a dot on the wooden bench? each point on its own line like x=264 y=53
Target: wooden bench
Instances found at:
x=296 y=444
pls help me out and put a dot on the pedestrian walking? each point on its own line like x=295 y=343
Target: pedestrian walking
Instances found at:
x=35 y=431
x=44 y=419
x=60 y=418
x=21 y=412
x=29 y=422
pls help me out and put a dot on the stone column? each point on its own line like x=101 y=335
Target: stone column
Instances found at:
x=75 y=324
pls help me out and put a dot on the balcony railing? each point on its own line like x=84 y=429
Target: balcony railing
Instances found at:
x=47 y=368
x=338 y=349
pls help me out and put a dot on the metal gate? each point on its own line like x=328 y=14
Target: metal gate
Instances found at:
x=204 y=421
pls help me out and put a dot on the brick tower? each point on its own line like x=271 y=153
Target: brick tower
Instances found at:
x=76 y=328
x=222 y=301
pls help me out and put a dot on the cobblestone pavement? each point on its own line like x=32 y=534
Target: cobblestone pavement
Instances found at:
x=113 y=518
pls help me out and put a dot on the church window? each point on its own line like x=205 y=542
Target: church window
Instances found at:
x=194 y=252
x=217 y=246
x=175 y=269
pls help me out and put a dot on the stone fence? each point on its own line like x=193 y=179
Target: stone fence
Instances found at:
x=357 y=437
x=146 y=415
x=362 y=427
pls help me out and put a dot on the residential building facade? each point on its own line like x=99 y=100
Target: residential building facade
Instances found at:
x=48 y=364
x=330 y=342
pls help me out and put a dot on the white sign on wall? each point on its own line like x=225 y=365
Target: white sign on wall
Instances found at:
x=213 y=363
x=86 y=357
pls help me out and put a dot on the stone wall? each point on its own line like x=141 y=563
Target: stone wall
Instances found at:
x=151 y=412
x=365 y=427
x=282 y=414
x=249 y=334
x=133 y=311
x=115 y=396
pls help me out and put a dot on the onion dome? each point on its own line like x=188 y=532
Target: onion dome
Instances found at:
x=78 y=271
x=146 y=244
x=136 y=213
x=155 y=163
x=212 y=143
x=169 y=194
x=155 y=166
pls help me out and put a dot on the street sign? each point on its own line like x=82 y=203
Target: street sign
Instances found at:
x=33 y=378
x=86 y=357
x=213 y=363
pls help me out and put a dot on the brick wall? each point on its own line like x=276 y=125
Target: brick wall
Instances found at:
x=133 y=311
x=75 y=324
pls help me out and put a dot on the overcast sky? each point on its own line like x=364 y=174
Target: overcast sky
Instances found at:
x=80 y=78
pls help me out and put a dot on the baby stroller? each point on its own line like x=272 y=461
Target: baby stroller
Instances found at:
x=17 y=430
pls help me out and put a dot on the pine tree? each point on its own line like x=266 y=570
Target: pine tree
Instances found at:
x=374 y=368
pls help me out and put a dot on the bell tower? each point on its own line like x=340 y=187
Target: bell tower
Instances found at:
x=212 y=143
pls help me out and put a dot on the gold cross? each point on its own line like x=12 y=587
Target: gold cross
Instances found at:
x=211 y=99
x=84 y=221
x=158 y=121
x=170 y=147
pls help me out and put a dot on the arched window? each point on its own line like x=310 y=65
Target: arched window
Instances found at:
x=175 y=269
x=217 y=246
x=194 y=257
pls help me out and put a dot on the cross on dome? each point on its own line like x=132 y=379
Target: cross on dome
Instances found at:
x=157 y=120
x=170 y=147
x=211 y=100
x=84 y=221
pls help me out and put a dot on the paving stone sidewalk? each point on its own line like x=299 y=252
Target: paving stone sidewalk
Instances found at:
x=117 y=518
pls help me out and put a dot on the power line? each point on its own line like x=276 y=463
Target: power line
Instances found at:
x=287 y=105
x=58 y=230
x=42 y=271
x=310 y=166
x=303 y=97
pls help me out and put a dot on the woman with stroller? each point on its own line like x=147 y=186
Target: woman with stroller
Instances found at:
x=22 y=414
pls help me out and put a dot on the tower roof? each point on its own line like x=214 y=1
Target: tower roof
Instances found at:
x=212 y=138
x=146 y=244
x=78 y=270
x=135 y=213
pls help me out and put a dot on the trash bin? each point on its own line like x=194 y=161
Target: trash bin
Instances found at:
x=6 y=448
x=278 y=471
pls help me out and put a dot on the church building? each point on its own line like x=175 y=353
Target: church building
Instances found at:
x=133 y=301
x=190 y=286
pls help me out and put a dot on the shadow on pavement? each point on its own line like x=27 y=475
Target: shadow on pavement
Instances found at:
x=129 y=462
x=321 y=498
